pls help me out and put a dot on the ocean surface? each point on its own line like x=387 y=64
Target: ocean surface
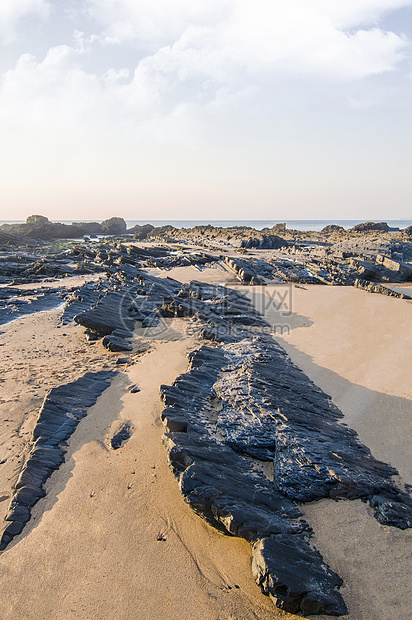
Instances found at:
x=258 y=224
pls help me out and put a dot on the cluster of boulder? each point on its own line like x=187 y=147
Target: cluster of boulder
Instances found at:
x=85 y=258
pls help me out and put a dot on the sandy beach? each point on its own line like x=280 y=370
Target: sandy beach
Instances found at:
x=113 y=537
x=205 y=310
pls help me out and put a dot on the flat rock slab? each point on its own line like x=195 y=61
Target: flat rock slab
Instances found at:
x=21 y=303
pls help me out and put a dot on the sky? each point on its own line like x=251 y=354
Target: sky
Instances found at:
x=206 y=109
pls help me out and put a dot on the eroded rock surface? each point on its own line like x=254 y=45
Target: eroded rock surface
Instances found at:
x=249 y=438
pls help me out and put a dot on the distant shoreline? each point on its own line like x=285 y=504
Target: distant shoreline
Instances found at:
x=303 y=225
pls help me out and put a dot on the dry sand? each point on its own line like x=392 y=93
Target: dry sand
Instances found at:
x=113 y=538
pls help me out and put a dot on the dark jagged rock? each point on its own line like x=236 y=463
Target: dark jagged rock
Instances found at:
x=110 y=313
x=122 y=435
x=266 y=401
x=379 y=288
x=264 y=242
x=244 y=403
x=122 y=360
x=62 y=410
x=16 y=303
x=396 y=511
x=115 y=343
x=91 y=336
x=228 y=490
x=367 y=270
x=83 y=298
x=310 y=585
x=243 y=270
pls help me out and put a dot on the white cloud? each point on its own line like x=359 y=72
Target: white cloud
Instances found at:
x=13 y=11
x=161 y=22
x=224 y=56
x=253 y=46
x=216 y=58
x=157 y=23
x=352 y=13
x=235 y=40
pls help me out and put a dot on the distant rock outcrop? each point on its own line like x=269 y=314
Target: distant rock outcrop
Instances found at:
x=114 y=226
x=37 y=220
x=333 y=228
x=39 y=227
x=371 y=227
x=141 y=232
x=89 y=228
x=50 y=230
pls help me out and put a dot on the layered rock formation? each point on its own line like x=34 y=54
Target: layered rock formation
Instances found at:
x=62 y=410
x=250 y=437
